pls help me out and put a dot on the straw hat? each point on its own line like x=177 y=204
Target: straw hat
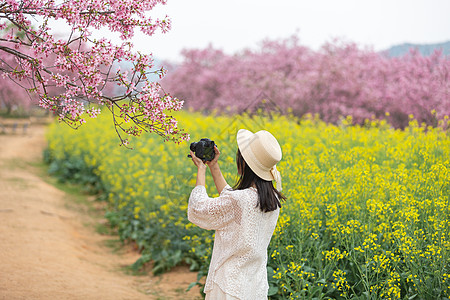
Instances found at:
x=261 y=152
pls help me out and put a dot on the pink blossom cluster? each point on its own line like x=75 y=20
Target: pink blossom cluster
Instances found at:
x=70 y=74
x=337 y=81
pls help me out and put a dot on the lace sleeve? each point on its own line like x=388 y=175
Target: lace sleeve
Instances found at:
x=211 y=213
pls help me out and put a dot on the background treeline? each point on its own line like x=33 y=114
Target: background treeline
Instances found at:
x=336 y=81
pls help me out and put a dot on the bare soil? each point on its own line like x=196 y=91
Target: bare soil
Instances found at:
x=49 y=246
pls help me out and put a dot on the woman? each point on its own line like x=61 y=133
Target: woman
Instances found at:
x=244 y=217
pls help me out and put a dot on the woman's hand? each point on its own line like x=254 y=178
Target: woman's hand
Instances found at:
x=197 y=161
x=213 y=162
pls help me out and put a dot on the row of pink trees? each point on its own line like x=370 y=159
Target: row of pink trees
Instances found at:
x=338 y=80
x=68 y=74
x=12 y=97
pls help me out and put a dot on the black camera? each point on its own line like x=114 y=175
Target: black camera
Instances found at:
x=203 y=149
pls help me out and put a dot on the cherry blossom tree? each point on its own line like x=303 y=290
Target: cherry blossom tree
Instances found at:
x=339 y=80
x=75 y=75
x=11 y=96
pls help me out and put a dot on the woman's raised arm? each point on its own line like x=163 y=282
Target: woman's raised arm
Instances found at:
x=218 y=178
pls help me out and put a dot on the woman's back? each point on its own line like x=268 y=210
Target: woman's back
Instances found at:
x=244 y=217
x=243 y=233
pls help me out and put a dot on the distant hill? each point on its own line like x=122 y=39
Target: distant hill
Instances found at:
x=428 y=49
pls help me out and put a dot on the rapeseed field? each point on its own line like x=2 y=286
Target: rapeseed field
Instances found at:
x=367 y=215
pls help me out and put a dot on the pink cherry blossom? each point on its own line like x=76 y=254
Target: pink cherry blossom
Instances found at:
x=334 y=82
x=70 y=74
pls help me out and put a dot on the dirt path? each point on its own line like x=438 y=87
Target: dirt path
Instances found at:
x=46 y=249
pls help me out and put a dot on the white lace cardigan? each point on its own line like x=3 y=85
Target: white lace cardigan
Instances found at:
x=243 y=232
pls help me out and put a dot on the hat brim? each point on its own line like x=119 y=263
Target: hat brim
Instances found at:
x=244 y=138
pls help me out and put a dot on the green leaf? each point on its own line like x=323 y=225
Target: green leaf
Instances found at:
x=191 y=286
x=273 y=290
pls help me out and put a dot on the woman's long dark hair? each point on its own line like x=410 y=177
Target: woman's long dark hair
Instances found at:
x=269 y=197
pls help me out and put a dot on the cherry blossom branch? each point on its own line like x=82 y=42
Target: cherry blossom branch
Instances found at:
x=70 y=76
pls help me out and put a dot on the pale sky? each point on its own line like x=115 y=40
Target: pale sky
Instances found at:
x=233 y=25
